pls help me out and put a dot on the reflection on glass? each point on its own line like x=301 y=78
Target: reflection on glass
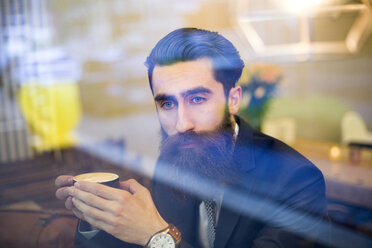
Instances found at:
x=75 y=98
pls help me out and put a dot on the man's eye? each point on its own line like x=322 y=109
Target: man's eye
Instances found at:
x=167 y=105
x=197 y=99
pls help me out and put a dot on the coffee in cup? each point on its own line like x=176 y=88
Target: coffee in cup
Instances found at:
x=106 y=178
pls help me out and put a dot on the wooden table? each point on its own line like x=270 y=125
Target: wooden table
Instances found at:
x=345 y=181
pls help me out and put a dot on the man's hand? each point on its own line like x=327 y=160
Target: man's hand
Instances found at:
x=128 y=213
x=63 y=183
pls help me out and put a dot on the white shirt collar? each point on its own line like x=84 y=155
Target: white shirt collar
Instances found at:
x=236 y=131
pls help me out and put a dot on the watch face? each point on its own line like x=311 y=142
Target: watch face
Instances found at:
x=162 y=240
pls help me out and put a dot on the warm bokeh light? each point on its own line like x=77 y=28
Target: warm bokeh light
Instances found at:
x=335 y=152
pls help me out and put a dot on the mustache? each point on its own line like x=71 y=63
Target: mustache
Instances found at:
x=197 y=139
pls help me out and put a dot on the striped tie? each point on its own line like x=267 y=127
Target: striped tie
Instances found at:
x=211 y=214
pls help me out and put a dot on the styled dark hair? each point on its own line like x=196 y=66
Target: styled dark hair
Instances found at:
x=188 y=44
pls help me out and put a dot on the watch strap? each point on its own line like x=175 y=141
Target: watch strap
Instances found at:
x=175 y=233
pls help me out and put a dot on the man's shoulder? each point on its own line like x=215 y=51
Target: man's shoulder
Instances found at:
x=269 y=151
x=269 y=161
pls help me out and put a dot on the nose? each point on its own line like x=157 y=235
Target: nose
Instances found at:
x=184 y=122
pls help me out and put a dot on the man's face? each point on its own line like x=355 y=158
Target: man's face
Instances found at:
x=195 y=118
x=187 y=97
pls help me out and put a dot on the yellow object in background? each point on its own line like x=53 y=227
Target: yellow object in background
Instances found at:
x=52 y=112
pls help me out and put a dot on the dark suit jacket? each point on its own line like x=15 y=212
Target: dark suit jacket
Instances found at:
x=277 y=197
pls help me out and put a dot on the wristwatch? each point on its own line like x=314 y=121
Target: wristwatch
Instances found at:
x=169 y=237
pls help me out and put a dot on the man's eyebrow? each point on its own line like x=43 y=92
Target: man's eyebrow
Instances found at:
x=163 y=97
x=196 y=91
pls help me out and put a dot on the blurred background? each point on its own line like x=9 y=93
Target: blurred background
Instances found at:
x=74 y=93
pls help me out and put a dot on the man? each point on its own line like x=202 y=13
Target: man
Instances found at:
x=218 y=182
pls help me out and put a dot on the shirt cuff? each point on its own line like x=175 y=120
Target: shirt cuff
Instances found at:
x=85 y=229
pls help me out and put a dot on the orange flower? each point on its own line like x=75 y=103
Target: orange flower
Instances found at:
x=266 y=72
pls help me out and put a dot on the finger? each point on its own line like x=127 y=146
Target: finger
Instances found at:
x=132 y=186
x=64 y=180
x=102 y=225
x=68 y=203
x=91 y=200
x=101 y=190
x=62 y=193
x=91 y=212
x=78 y=214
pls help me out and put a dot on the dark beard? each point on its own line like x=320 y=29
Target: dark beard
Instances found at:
x=210 y=158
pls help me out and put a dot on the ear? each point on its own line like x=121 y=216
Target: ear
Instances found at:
x=234 y=99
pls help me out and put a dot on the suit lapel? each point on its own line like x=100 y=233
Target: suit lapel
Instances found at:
x=243 y=158
x=226 y=224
